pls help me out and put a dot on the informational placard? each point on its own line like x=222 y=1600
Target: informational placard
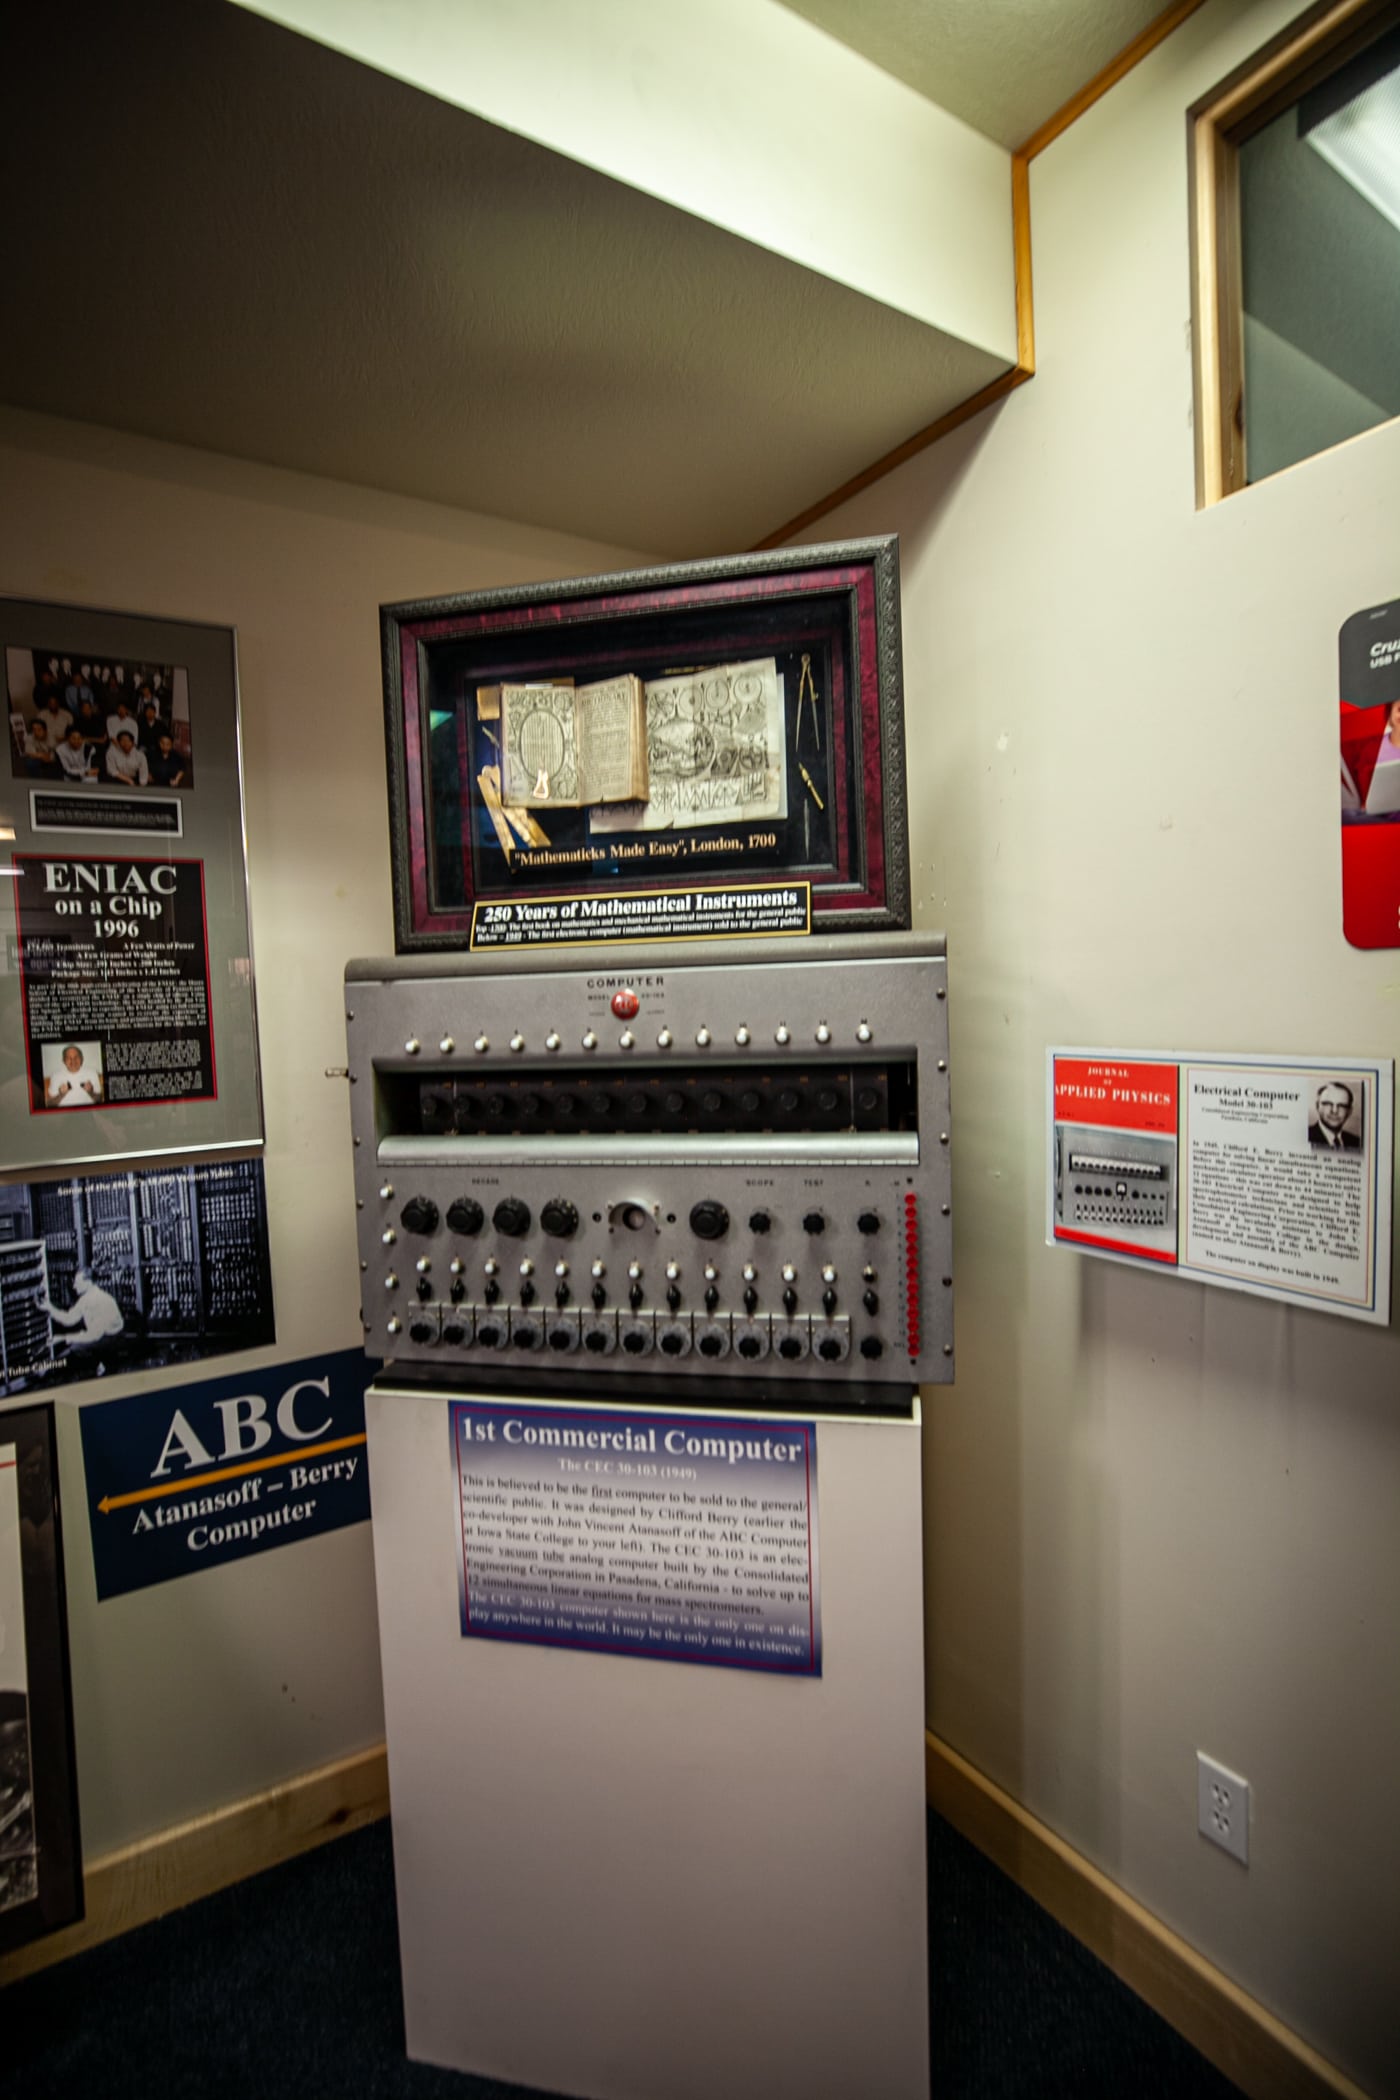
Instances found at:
x=1264 y=1174
x=195 y=1475
x=679 y=1538
x=114 y=980
x=666 y=915
x=127 y=1024
x=104 y=1273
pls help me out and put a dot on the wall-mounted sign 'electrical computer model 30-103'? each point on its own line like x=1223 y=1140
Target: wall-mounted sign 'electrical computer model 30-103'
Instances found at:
x=664 y=1162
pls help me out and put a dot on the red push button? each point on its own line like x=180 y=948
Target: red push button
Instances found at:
x=626 y=1005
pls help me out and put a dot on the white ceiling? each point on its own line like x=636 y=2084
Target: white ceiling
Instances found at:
x=1003 y=66
x=228 y=236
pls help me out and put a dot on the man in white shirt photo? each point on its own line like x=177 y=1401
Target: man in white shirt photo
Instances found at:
x=126 y=761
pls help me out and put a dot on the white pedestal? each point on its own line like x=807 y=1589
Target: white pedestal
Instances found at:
x=631 y=1880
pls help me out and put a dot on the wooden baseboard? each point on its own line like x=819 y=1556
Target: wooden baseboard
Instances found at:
x=1238 y=2035
x=163 y=1873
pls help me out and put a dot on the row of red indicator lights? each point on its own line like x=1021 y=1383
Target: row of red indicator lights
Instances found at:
x=911 y=1271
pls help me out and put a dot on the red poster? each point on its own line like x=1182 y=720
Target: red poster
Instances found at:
x=1115 y=1164
x=1369 y=652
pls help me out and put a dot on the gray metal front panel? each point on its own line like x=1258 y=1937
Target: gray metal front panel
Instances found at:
x=843 y=1302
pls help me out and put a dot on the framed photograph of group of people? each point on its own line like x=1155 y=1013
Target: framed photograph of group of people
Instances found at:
x=127 y=1025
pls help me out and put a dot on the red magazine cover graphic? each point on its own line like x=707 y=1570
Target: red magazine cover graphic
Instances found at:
x=1115 y=1161
x=1369 y=675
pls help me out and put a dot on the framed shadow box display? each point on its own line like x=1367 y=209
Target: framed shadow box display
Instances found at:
x=41 y=1872
x=697 y=750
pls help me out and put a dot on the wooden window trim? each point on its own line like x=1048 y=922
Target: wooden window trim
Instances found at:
x=1217 y=126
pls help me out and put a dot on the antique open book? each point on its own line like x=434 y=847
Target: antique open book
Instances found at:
x=568 y=747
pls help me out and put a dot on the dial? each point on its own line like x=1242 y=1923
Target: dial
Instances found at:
x=419 y=1214
x=559 y=1218
x=709 y=1220
x=512 y=1217
x=465 y=1215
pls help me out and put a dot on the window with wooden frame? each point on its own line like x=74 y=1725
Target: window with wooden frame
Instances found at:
x=1295 y=168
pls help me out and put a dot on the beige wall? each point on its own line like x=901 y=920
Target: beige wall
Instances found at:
x=205 y=1689
x=1160 y=1518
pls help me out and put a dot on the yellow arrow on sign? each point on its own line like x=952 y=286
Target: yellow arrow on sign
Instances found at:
x=252 y=1465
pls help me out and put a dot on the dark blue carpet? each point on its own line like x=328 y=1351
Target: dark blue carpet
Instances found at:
x=288 y=1985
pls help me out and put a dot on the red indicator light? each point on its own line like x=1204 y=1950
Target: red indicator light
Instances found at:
x=626 y=1005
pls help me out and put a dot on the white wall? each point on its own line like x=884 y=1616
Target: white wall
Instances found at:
x=203 y=1690
x=1159 y=1517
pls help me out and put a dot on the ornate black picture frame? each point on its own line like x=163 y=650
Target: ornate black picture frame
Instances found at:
x=775 y=674
x=41 y=1872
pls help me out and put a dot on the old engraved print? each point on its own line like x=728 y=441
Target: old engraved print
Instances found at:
x=539 y=741
x=716 y=750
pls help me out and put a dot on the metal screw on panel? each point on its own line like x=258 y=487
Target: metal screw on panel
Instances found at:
x=942 y=1137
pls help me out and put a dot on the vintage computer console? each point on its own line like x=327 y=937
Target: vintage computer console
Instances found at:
x=726 y=1160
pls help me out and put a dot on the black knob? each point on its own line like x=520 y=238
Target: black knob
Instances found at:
x=868 y=1221
x=492 y=1290
x=512 y=1217
x=466 y=1216
x=672 y=1344
x=760 y=1221
x=634 y=1296
x=710 y=1345
x=674 y=1103
x=750 y=1298
x=633 y=1342
x=559 y=1218
x=454 y=1333
x=789 y=1347
x=595 y=1340
x=814 y=1222
x=789 y=1300
x=828 y=1302
x=419 y=1214
x=673 y=1296
x=600 y=1296
x=458 y=1291
x=564 y=1105
x=561 y=1295
x=711 y=1102
x=495 y=1104
x=749 y=1345
x=421 y=1331
x=424 y=1287
x=872 y=1347
x=523 y=1337
x=559 y=1337
x=750 y=1102
x=709 y=1221
x=711 y=1296
x=829 y=1348
x=527 y=1292
x=488 y=1334
x=871 y=1301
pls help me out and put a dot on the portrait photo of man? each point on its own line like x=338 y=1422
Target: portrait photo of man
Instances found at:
x=73 y=1076
x=1335 y=1123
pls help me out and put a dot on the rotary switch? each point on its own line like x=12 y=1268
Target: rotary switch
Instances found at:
x=465 y=1215
x=709 y=1220
x=419 y=1214
x=559 y=1218
x=512 y=1217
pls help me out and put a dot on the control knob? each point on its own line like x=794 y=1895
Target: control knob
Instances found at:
x=422 y=1331
x=709 y=1220
x=512 y=1217
x=868 y=1222
x=872 y=1347
x=829 y=1348
x=814 y=1222
x=760 y=1222
x=559 y=1218
x=789 y=1347
x=465 y=1215
x=419 y=1214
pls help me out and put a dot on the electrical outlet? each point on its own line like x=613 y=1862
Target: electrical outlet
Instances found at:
x=1222 y=1807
